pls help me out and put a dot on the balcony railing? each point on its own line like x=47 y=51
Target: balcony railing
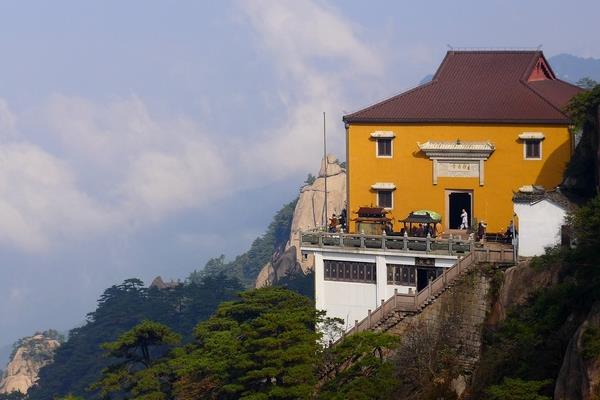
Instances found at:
x=404 y=243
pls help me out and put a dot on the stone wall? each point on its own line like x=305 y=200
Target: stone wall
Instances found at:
x=461 y=311
x=441 y=346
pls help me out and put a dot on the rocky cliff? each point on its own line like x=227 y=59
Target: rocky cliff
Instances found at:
x=308 y=214
x=518 y=284
x=29 y=355
x=579 y=376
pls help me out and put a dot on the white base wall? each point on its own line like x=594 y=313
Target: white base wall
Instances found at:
x=539 y=226
x=351 y=301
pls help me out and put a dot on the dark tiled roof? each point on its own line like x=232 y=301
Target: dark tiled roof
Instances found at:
x=539 y=193
x=478 y=86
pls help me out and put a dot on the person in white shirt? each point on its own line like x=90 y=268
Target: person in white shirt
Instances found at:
x=465 y=220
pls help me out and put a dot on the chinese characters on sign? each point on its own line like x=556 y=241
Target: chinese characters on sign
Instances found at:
x=459 y=167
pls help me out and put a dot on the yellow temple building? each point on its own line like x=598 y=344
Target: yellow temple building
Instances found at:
x=488 y=123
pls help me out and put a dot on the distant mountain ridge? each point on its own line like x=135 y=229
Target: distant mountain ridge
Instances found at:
x=572 y=68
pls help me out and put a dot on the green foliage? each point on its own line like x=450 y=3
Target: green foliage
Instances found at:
x=12 y=396
x=583 y=107
x=586 y=223
x=79 y=361
x=496 y=281
x=584 y=260
x=586 y=83
x=551 y=257
x=517 y=389
x=299 y=282
x=261 y=347
x=530 y=344
x=134 y=345
x=369 y=376
x=246 y=267
x=310 y=179
x=591 y=343
x=581 y=174
x=135 y=373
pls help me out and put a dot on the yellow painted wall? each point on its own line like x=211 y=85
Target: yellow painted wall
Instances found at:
x=412 y=172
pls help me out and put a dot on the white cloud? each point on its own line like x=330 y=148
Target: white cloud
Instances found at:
x=39 y=199
x=116 y=164
x=319 y=54
x=192 y=177
x=104 y=133
x=302 y=32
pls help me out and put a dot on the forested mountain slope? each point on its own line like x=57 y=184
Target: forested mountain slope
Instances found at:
x=79 y=361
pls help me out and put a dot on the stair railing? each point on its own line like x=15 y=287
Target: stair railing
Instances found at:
x=407 y=302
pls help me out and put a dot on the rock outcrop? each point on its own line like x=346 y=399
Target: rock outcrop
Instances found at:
x=281 y=265
x=30 y=354
x=308 y=214
x=160 y=284
x=519 y=283
x=310 y=209
x=579 y=376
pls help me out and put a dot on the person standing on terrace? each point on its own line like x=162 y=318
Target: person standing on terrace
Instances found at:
x=465 y=219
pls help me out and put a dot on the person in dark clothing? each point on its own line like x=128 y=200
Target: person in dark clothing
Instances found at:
x=343 y=220
x=481 y=231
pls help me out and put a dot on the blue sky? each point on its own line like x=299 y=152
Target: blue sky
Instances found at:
x=140 y=138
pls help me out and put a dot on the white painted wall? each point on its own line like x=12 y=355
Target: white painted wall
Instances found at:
x=351 y=301
x=539 y=226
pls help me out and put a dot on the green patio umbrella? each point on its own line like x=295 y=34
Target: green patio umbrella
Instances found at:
x=434 y=215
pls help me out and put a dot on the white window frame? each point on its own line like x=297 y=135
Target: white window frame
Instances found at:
x=525 y=141
x=391 y=139
x=391 y=191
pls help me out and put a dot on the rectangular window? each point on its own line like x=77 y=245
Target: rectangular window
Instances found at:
x=384 y=199
x=405 y=275
x=384 y=147
x=533 y=149
x=350 y=271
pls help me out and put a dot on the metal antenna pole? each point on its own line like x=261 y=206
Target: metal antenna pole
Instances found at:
x=325 y=160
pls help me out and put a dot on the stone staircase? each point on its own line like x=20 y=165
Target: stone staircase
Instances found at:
x=395 y=317
x=402 y=306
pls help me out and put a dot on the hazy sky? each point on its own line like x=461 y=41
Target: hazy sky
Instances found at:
x=140 y=138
